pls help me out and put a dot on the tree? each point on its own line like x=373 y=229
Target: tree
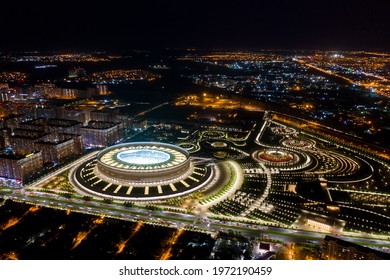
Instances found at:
x=128 y=204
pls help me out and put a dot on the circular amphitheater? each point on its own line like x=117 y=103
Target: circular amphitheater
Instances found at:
x=277 y=157
x=141 y=171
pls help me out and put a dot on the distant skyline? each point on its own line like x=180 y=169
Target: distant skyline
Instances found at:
x=245 y=24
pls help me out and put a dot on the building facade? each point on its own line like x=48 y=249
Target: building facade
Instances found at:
x=20 y=167
x=101 y=134
x=338 y=249
x=56 y=151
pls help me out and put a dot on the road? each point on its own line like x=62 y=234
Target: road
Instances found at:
x=151 y=109
x=181 y=220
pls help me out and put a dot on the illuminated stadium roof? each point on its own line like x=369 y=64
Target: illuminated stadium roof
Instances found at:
x=143 y=156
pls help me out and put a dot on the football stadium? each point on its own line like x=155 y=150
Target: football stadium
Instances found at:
x=141 y=171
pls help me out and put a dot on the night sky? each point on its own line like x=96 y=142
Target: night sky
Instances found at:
x=245 y=24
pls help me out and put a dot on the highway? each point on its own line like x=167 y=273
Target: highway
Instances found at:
x=182 y=220
x=151 y=109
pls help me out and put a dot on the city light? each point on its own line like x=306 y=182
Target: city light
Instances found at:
x=197 y=154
